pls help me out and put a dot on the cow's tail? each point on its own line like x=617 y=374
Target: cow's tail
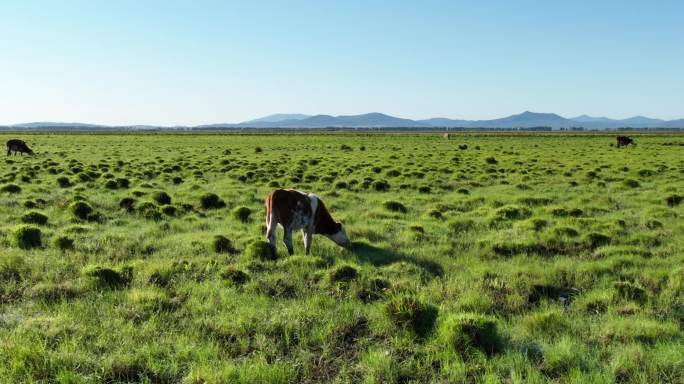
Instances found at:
x=271 y=219
x=271 y=224
x=268 y=211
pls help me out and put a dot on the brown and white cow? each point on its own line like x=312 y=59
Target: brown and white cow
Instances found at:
x=295 y=210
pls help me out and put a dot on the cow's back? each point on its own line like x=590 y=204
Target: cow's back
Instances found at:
x=288 y=207
x=15 y=143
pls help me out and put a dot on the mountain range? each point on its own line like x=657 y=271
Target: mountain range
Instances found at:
x=526 y=119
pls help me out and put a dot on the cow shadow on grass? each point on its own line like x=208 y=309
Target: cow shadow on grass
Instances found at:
x=379 y=257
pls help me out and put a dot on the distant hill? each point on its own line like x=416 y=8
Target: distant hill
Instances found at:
x=641 y=121
x=56 y=124
x=673 y=124
x=59 y=126
x=367 y=120
x=591 y=119
x=633 y=122
x=527 y=119
x=277 y=117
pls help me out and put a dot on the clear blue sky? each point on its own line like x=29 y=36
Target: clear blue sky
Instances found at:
x=193 y=62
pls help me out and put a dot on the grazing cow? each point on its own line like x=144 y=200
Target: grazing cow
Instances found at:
x=446 y=136
x=295 y=210
x=18 y=146
x=623 y=141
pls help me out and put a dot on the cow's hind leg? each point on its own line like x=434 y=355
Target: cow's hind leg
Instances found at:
x=287 y=239
x=307 y=236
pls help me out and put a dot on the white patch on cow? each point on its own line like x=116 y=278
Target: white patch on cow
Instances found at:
x=314 y=204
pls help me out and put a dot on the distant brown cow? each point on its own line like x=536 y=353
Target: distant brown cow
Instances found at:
x=623 y=141
x=295 y=210
x=18 y=146
x=446 y=136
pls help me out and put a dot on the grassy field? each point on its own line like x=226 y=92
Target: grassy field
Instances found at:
x=485 y=258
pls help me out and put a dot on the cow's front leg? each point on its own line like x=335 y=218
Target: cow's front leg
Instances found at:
x=307 y=235
x=287 y=239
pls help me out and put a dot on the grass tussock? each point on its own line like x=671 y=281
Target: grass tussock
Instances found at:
x=258 y=250
x=34 y=217
x=28 y=237
x=468 y=333
x=211 y=201
x=108 y=278
x=222 y=244
x=412 y=313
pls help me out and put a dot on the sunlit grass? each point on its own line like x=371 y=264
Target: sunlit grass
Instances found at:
x=485 y=258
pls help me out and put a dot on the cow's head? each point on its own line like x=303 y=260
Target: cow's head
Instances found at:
x=340 y=236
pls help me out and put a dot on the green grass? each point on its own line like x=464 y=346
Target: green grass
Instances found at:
x=485 y=258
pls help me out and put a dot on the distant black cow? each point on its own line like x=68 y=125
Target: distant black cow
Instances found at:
x=623 y=141
x=18 y=146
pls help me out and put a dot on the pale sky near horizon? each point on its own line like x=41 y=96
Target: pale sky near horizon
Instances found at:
x=202 y=62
